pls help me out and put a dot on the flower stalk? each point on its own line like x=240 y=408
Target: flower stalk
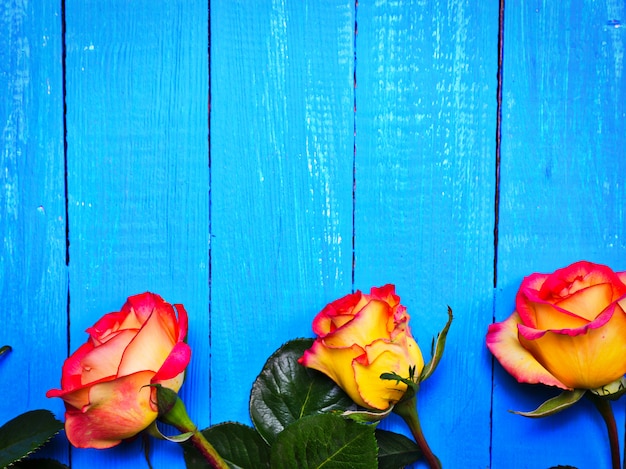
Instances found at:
x=407 y=409
x=172 y=412
x=606 y=411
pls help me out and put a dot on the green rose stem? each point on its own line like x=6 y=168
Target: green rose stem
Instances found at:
x=606 y=411
x=407 y=409
x=172 y=412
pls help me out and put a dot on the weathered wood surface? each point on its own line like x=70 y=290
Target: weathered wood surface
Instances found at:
x=255 y=162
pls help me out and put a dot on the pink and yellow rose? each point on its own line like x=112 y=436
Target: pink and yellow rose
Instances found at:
x=568 y=329
x=360 y=337
x=105 y=382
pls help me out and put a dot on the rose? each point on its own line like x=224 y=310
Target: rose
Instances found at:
x=568 y=329
x=105 y=383
x=360 y=337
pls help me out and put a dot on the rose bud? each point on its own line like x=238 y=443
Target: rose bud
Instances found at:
x=568 y=329
x=360 y=337
x=105 y=383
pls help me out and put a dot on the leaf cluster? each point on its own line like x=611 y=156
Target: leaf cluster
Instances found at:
x=297 y=422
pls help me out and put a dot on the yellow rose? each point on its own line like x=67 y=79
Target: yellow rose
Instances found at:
x=360 y=337
x=568 y=329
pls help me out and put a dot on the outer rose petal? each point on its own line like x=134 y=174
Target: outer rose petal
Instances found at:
x=175 y=363
x=336 y=363
x=118 y=410
x=384 y=357
x=586 y=358
x=503 y=342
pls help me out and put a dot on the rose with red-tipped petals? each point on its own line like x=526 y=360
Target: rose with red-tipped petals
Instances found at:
x=360 y=337
x=105 y=383
x=568 y=329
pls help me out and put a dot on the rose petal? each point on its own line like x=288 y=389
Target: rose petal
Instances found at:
x=386 y=293
x=529 y=292
x=385 y=357
x=117 y=410
x=336 y=314
x=182 y=323
x=150 y=347
x=108 y=326
x=144 y=304
x=555 y=317
x=503 y=342
x=368 y=325
x=587 y=302
x=175 y=364
x=72 y=368
x=104 y=360
x=579 y=276
x=330 y=361
x=585 y=358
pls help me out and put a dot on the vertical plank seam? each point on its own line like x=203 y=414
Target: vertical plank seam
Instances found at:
x=354 y=150
x=496 y=203
x=66 y=187
x=210 y=227
x=498 y=141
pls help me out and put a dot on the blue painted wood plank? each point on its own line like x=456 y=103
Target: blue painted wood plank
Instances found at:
x=562 y=195
x=33 y=274
x=425 y=166
x=281 y=181
x=137 y=137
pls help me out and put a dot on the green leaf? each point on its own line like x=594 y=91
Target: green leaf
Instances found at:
x=437 y=349
x=556 y=404
x=325 y=440
x=4 y=349
x=286 y=391
x=395 y=451
x=239 y=445
x=25 y=433
x=38 y=464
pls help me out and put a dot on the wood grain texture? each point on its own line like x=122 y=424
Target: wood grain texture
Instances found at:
x=562 y=195
x=313 y=185
x=137 y=136
x=426 y=84
x=282 y=127
x=33 y=274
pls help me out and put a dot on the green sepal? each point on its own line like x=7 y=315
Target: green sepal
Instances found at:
x=25 y=433
x=366 y=416
x=556 y=404
x=436 y=349
x=612 y=391
x=154 y=431
x=172 y=410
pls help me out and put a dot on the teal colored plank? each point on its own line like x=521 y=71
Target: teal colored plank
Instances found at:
x=562 y=195
x=281 y=181
x=137 y=135
x=425 y=146
x=33 y=274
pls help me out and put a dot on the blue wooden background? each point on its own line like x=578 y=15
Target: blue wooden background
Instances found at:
x=256 y=160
